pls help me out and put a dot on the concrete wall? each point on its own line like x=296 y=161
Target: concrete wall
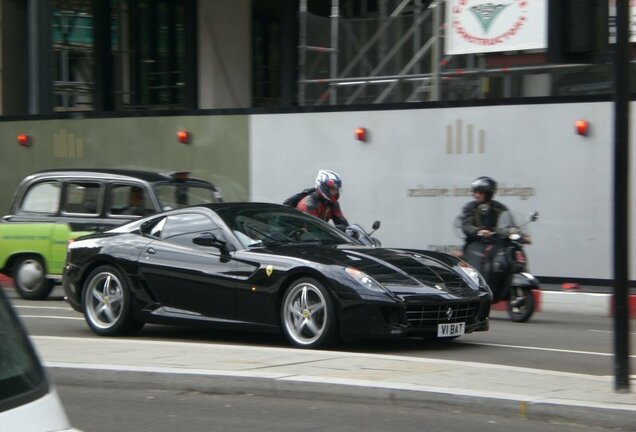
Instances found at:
x=218 y=152
x=414 y=172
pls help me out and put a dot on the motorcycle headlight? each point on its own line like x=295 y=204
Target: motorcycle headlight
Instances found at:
x=365 y=280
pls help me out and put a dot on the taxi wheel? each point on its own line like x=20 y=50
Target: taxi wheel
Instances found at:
x=107 y=303
x=30 y=278
x=308 y=315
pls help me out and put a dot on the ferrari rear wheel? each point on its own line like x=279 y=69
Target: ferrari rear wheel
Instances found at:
x=308 y=314
x=107 y=303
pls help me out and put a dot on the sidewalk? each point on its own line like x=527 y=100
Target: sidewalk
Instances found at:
x=521 y=392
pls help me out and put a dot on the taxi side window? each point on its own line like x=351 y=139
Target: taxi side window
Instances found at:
x=83 y=198
x=126 y=199
x=42 y=197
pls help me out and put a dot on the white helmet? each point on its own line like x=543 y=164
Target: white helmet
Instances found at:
x=328 y=185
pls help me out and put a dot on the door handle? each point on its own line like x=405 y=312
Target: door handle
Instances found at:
x=151 y=251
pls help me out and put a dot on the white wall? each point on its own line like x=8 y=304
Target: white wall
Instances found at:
x=566 y=177
x=224 y=44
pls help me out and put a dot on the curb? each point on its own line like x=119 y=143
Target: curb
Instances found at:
x=220 y=382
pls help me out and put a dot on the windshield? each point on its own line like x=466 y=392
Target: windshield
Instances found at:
x=508 y=219
x=268 y=226
x=21 y=376
x=177 y=195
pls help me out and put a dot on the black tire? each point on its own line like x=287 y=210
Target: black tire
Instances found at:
x=521 y=303
x=30 y=279
x=308 y=315
x=107 y=303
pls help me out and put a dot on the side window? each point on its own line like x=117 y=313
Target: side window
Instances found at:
x=154 y=229
x=21 y=375
x=82 y=198
x=182 y=228
x=126 y=199
x=42 y=197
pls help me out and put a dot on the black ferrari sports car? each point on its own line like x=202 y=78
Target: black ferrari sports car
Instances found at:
x=268 y=267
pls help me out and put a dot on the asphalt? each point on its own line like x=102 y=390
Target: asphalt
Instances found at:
x=230 y=369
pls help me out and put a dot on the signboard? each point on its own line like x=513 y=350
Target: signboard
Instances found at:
x=481 y=26
x=612 y=20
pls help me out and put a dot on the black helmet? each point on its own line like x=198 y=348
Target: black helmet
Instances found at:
x=486 y=185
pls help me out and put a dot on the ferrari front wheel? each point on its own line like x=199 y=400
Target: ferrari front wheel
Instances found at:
x=308 y=314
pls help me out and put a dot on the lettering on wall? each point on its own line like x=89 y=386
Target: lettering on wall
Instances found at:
x=66 y=145
x=461 y=140
x=523 y=192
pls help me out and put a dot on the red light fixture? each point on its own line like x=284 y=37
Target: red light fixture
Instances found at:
x=184 y=137
x=361 y=134
x=24 y=140
x=582 y=127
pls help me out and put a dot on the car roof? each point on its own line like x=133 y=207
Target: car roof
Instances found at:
x=114 y=173
x=242 y=204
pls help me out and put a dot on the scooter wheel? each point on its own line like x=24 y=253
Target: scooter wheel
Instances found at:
x=521 y=304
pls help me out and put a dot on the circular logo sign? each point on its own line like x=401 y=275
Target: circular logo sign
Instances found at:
x=487 y=23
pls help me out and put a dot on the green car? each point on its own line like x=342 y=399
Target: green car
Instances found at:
x=52 y=207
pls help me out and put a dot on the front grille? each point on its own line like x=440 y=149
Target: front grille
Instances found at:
x=427 y=315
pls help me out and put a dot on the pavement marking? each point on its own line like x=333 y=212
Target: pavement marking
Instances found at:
x=52 y=317
x=42 y=307
x=543 y=349
x=607 y=331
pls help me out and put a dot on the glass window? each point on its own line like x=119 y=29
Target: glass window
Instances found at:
x=129 y=200
x=82 y=198
x=182 y=228
x=178 y=195
x=258 y=226
x=21 y=375
x=151 y=53
x=42 y=198
x=73 y=52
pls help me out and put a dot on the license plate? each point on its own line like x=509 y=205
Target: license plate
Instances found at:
x=451 y=329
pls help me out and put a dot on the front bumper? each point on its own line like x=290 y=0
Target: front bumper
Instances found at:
x=72 y=290
x=377 y=320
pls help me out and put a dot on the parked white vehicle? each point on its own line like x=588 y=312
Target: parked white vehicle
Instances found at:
x=28 y=400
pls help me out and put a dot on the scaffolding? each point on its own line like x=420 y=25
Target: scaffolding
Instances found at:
x=395 y=54
x=370 y=59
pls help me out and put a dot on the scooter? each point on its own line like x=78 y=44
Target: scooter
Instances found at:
x=505 y=268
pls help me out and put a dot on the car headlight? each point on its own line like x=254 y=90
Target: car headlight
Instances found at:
x=471 y=272
x=365 y=280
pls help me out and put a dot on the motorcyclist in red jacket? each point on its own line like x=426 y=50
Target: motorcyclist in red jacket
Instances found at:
x=323 y=201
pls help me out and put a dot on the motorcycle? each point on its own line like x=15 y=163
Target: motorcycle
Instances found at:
x=505 y=265
x=357 y=232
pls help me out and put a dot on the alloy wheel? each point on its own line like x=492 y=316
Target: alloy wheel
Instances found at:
x=104 y=300
x=306 y=314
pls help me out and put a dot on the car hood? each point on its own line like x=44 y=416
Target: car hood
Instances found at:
x=399 y=270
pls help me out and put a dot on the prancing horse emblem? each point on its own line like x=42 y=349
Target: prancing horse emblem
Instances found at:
x=269 y=270
x=449 y=313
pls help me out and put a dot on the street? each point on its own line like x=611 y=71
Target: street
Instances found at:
x=104 y=409
x=566 y=344
x=558 y=342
